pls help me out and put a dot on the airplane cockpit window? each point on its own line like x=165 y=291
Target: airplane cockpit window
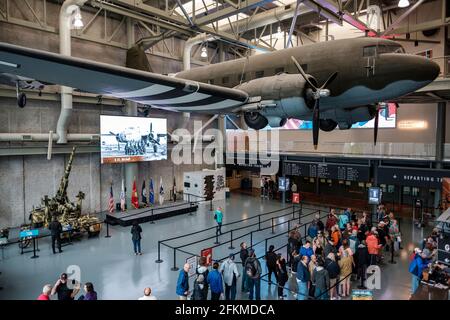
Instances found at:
x=369 y=51
x=390 y=49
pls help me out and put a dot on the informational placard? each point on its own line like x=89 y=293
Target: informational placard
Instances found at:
x=192 y=261
x=29 y=233
x=374 y=195
x=296 y=198
x=207 y=253
x=346 y=172
x=283 y=184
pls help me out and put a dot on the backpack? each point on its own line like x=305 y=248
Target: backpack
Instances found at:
x=250 y=268
x=312 y=230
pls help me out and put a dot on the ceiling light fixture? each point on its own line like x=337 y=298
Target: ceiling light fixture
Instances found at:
x=279 y=33
x=403 y=3
x=204 y=53
x=78 y=20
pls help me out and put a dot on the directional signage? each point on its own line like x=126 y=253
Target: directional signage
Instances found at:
x=296 y=198
x=334 y=171
x=192 y=261
x=29 y=233
x=374 y=195
x=413 y=177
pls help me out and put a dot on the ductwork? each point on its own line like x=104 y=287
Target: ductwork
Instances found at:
x=37 y=137
x=65 y=22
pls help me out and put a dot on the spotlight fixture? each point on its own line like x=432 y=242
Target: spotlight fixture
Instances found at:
x=78 y=20
x=403 y=3
x=279 y=33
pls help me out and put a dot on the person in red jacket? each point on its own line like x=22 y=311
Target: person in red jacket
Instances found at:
x=46 y=291
x=373 y=245
x=331 y=220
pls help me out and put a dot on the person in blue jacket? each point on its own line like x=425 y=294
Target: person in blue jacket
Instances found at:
x=215 y=282
x=183 y=282
x=306 y=250
x=218 y=216
x=420 y=261
x=343 y=220
x=303 y=279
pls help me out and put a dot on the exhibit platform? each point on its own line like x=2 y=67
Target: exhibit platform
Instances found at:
x=152 y=213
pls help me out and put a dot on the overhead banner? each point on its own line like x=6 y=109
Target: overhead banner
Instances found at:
x=412 y=177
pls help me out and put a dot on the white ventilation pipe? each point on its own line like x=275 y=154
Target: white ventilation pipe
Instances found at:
x=37 y=137
x=65 y=24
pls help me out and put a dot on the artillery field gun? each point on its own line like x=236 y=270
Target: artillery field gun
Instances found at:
x=68 y=213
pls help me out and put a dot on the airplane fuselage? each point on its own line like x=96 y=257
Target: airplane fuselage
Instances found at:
x=370 y=70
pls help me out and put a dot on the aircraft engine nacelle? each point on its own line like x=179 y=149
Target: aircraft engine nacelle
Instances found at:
x=346 y=117
x=276 y=87
x=281 y=97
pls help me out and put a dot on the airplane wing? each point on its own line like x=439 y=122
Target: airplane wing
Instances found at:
x=142 y=87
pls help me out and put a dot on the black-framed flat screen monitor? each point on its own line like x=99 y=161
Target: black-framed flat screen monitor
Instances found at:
x=132 y=139
x=374 y=195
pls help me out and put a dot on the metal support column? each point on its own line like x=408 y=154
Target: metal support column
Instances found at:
x=131 y=169
x=440 y=145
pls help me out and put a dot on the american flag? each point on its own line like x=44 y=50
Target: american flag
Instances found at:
x=111 y=200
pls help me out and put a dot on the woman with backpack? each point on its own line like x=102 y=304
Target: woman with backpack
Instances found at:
x=200 y=289
x=271 y=262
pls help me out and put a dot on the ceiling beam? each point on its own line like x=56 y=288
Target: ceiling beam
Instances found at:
x=230 y=10
x=402 y=17
x=140 y=11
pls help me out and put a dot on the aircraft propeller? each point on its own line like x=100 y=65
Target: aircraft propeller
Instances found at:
x=317 y=93
x=375 y=127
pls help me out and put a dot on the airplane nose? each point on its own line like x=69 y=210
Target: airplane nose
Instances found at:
x=426 y=69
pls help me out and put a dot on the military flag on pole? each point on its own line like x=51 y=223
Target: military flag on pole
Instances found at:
x=152 y=192
x=161 y=191
x=134 y=196
x=144 y=193
x=122 y=197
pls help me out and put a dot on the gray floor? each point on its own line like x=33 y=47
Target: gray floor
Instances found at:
x=118 y=274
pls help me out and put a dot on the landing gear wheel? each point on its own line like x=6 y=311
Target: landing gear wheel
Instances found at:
x=327 y=125
x=21 y=100
x=255 y=121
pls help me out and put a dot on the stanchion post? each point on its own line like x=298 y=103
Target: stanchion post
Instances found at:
x=159 y=253
x=259 y=222
x=210 y=205
x=153 y=220
x=265 y=246
x=217 y=236
x=273 y=230
x=251 y=239
x=289 y=226
x=299 y=216
x=231 y=241
x=174 y=268
x=107 y=229
x=293 y=211
x=34 y=249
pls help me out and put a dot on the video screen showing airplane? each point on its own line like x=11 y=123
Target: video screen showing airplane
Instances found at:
x=132 y=139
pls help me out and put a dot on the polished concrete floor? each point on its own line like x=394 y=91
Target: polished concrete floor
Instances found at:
x=110 y=264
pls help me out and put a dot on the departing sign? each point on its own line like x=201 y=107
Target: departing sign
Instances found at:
x=413 y=177
x=207 y=253
x=296 y=198
x=328 y=171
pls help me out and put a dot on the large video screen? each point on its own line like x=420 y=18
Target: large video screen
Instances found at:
x=132 y=139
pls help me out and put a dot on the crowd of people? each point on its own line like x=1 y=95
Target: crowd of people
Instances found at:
x=320 y=265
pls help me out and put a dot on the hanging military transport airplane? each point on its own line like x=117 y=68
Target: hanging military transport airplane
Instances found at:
x=348 y=77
